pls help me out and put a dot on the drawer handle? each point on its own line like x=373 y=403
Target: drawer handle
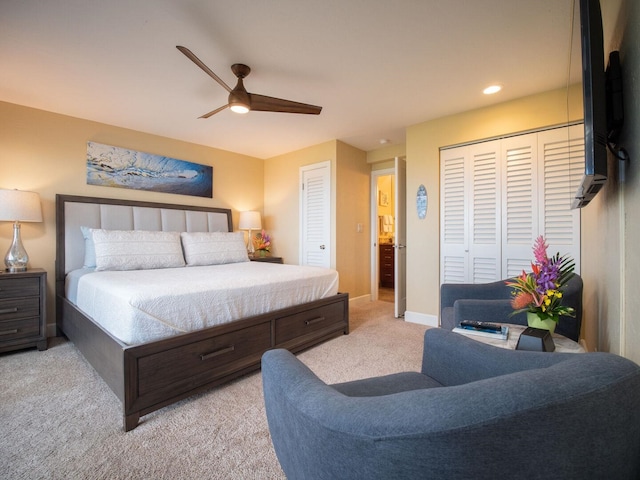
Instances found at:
x=217 y=353
x=9 y=310
x=313 y=320
x=9 y=332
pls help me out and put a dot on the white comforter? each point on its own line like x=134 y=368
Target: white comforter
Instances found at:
x=145 y=305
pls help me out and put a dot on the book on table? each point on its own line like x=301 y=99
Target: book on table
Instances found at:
x=483 y=329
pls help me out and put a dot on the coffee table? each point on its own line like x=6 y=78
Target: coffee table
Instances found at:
x=563 y=344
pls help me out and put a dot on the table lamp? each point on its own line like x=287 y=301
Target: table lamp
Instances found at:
x=18 y=206
x=250 y=221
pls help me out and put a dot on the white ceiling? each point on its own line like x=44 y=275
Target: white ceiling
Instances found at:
x=375 y=66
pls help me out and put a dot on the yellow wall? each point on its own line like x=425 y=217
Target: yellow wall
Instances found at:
x=349 y=206
x=353 y=251
x=610 y=250
x=46 y=152
x=423 y=167
x=282 y=197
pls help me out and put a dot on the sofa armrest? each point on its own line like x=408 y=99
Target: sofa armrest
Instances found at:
x=450 y=292
x=454 y=359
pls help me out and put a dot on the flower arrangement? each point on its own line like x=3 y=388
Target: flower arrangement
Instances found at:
x=262 y=242
x=540 y=292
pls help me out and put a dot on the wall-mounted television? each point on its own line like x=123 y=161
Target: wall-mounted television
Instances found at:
x=594 y=102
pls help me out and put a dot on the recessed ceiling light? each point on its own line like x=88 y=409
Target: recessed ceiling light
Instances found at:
x=490 y=90
x=383 y=141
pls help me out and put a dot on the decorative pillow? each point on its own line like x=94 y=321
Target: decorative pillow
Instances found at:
x=214 y=248
x=136 y=249
x=89 y=248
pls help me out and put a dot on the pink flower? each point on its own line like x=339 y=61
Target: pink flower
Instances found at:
x=540 y=250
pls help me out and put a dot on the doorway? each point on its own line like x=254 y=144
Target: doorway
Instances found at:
x=388 y=235
x=383 y=234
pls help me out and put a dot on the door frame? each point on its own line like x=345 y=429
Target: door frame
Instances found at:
x=325 y=166
x=375 y=266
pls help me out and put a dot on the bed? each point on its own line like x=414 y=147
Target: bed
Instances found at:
x=148 y=371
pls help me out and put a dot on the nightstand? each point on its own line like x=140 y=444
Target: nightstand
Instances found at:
x=23 y=318
x=266 y=259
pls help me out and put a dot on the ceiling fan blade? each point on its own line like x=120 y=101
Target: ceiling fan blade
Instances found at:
x=262 y=103
x=213 y=112
x=206 y=69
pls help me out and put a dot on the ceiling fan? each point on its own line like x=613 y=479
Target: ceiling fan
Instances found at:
x=241 y=101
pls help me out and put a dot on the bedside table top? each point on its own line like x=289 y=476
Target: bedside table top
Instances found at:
x=29 y=272
x=267 y=259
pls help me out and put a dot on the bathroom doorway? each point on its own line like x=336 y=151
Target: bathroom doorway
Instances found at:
x=383 y=235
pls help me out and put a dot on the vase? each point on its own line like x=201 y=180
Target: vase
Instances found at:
x=534 y=321
x=262 y=253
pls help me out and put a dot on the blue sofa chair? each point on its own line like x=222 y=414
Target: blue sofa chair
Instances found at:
x=474 y=412
x=491 y=302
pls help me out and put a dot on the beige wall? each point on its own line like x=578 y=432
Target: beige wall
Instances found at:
x=46 y=153
x=349 y=206
x=353 y=254
x=282 y=196
x=611 y=297
x=423 y=167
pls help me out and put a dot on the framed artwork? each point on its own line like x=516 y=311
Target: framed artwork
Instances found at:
x=383 y=199
x=110 y=166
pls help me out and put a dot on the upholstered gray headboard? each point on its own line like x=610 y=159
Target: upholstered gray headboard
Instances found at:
x=73 y=212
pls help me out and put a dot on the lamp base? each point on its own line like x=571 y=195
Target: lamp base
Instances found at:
x=251 y=249
x=16 y=258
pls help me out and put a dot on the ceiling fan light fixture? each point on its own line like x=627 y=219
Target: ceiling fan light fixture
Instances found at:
x=239 y=100
x=239 y=108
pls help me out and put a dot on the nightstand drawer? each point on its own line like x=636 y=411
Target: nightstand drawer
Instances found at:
x=16 y=329
x=19 y=308
x=19 y=287
x=23 y=310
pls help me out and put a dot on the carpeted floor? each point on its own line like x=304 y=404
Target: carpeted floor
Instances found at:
x=60 y=420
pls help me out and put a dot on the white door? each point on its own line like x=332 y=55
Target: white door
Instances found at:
x=315 y=215
x=400 y=270
x=454 y=211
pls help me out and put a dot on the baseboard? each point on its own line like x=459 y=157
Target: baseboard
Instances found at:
x=421 y=318
x=360 y=300
x=51 y=330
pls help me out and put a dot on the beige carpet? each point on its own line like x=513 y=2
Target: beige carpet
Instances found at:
x=60 y=420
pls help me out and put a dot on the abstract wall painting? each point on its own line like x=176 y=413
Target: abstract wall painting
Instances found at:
x=110 y=166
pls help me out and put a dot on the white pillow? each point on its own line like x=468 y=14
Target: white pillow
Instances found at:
x=89 y=248
x=214 y=248
x=136 y=249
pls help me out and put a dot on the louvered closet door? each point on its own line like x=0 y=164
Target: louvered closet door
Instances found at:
x=561 y=153
x=453 y=216
x=498 y=196
x=484 y=216
x=520 y=202
x=541 y=175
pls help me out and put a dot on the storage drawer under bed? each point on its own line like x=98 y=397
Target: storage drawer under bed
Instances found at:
x=188 y=366
x=296 y=329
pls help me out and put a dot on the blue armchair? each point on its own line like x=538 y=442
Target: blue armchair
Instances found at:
x=474 y=411
x=491 y=302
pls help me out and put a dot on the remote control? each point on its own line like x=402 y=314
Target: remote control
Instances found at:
x=481 y=325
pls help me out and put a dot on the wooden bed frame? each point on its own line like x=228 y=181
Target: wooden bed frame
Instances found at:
x=152 y=375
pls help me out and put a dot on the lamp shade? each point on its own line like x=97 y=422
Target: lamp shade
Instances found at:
x=21 y=206
x=250 y=221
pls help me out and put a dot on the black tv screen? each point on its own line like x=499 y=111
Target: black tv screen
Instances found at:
x=594 y=99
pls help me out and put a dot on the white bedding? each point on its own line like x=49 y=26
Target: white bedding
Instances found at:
x=144 y=305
